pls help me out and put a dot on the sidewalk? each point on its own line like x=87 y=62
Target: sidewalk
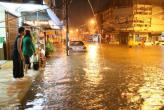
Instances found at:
x=11 y=90
x=2 y=62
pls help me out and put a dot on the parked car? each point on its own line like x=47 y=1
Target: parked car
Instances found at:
x=77 y=46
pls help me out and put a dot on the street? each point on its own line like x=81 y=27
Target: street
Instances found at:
x=103 y=78
x=82 y=55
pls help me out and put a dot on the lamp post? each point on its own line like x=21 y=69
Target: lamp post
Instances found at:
x=67 y=26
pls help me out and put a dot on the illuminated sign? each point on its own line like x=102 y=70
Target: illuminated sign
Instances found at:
x=2 y=26
x=24 y=1
x=2 y=39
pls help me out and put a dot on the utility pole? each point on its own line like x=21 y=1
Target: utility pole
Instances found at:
x=67 y=25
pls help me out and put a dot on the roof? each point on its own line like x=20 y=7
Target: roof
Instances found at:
x=33 y=11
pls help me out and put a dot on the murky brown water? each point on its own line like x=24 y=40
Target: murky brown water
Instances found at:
x=104 y=78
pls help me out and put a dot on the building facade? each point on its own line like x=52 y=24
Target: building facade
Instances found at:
x=8 y=29
x=132 y=21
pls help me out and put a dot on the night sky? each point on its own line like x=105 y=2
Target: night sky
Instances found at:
x=80 y=13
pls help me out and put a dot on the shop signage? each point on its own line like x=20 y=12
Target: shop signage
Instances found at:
x=24 y=1
x=2 y=25
x=2 y=39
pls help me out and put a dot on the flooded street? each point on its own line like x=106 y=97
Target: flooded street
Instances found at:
x=103 y=78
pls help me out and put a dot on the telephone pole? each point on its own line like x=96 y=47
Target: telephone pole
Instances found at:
x=67 y=25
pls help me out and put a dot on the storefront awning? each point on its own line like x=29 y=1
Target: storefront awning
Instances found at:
x=55 y=22
x=16 y=10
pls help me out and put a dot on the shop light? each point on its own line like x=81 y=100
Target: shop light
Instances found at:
x=16 y=8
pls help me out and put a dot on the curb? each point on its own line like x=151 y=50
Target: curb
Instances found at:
x=2 y=63
x=14 y=91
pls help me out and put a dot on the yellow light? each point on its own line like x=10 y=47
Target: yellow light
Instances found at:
x=92 y=21
x=92 y=66
x=64 y=29
x=92 y=51
x=77 y=30
x=71 y=31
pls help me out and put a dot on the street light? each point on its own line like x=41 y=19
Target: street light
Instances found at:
x=77 y=30
x=71 y=31
x=92 y=22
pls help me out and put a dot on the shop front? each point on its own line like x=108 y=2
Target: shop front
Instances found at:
x=141 y=38
x=8 y=32
x=11 y=20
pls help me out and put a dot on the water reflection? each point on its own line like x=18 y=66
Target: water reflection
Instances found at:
x=93 y=65
x=119 y=79
x=152 y=90
x=92 y=52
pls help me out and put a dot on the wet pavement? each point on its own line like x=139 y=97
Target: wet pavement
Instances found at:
x=103 y=78
x=13 y=91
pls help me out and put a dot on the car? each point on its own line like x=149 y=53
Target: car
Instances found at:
x=77 y=46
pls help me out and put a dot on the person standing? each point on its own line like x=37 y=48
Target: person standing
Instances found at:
x=28 y=49
x=18 y=57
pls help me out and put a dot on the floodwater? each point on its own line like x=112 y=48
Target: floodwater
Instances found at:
x=103 y=78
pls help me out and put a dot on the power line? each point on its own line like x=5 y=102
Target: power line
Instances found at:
x=91 y=7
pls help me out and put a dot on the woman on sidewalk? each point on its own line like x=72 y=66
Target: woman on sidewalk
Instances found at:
x=18 y=57
x=28 y=49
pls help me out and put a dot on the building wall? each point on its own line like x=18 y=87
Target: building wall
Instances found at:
x=116 y=22
x=157 y=19
x=123 y=18
x=117 y=18
x=11 y=30
x=140 y=19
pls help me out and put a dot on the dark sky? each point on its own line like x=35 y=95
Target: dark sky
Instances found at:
x=80 y=13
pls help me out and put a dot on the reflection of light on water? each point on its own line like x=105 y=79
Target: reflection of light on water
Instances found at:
x=92 y=51
x=92 y=75
x=151 y=91
x=37 y=104
x=92 y=63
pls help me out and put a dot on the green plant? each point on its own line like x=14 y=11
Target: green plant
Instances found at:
x=49 y=48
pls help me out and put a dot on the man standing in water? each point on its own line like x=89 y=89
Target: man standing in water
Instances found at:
x=18 y=57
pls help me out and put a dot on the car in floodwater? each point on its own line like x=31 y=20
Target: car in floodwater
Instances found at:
x=78 y=46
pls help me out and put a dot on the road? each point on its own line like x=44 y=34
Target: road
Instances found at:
x=103 y=78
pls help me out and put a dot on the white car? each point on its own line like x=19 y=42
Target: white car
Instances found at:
x=77 y=46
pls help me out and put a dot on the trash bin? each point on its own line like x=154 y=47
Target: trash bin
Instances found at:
x=36 y=65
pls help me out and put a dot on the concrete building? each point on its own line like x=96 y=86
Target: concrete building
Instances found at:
x=132 y=21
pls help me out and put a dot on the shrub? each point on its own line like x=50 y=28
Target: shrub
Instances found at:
x=49 y=48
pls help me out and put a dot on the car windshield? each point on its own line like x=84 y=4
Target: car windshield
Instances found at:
x=77 y=43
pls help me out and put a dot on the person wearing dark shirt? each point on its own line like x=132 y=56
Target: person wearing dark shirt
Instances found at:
x=18 y=58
